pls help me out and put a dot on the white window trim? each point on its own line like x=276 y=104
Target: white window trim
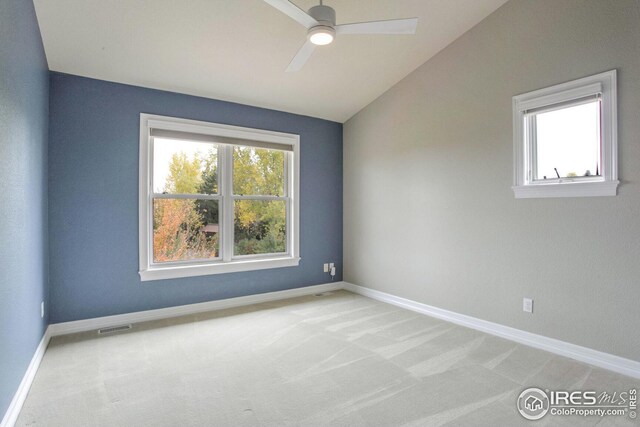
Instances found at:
x=603 y=84
x=150 y=271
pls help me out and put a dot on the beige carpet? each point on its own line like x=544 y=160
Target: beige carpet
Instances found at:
x=338 y=359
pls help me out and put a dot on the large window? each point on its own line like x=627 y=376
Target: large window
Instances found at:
x=215 y=198
x=565 y=139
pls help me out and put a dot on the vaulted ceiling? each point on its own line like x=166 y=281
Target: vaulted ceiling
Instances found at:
x=238 y=50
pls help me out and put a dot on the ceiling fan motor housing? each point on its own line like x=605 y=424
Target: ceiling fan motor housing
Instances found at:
x=325 y=15
x=324 y=32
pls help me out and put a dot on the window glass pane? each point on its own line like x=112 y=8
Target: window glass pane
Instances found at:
x=258 y=171
x=260 y=227
x=184 y=167
x=568 y=140
x=185 y=229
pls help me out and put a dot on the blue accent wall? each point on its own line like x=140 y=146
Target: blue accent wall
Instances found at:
x=24 y=99
x=93 y=199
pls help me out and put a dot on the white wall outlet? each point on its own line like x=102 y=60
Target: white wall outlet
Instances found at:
x=326 y=267
x=333 y=271
x=42 y=309
x=527 y=305
x=331 y=265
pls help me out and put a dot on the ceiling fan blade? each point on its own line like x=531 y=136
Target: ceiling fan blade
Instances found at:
x=393 y=26
x=293 y=12
x=301 y=57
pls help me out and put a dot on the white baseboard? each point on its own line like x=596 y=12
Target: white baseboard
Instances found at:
x=165 y=313
x=11 y=416
x=600 y=359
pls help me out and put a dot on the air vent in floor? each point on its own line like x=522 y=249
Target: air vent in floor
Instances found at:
x=114 y=329
x=323 y=294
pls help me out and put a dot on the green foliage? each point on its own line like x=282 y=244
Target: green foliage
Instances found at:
x=257 y=171
x=209 y=185
x=209 y=178
x=264 y=229
x=259 y=226
x=184 y=175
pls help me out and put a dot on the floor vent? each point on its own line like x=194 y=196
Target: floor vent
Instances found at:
x=324 y=294
x=113 y=329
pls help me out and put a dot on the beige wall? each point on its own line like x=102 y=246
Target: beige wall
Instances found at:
x=429 y=210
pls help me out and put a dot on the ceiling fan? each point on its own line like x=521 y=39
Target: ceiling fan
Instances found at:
x=322 y=28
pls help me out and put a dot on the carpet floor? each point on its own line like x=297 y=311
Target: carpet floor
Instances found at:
x=338 y=359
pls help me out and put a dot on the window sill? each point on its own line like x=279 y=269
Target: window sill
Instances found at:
x=160 y=273
x=566 y=189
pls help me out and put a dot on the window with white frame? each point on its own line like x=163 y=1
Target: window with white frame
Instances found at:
x=565 y=139
x=216 y=198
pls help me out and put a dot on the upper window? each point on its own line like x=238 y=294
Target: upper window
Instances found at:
x=215 y=198
x=565 y=139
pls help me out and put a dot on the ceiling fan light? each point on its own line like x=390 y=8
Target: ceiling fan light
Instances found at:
x=321 y=35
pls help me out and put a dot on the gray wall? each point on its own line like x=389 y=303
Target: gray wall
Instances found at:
x=429 y=212
x=24 y=104
x=93 y=199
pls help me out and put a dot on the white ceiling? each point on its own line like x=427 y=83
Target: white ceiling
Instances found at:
x=237 y=50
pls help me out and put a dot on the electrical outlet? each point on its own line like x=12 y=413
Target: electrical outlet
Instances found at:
x=331 y=265
x=42 y=309
x=333 y=271
x=326 y=267
x=527 y=305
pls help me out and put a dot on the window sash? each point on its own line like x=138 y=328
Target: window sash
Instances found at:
x=221 y=231
x=285 y=172
x=152 y=148
x=531 y=141
x=195 y=261
x=226 y=205
x=287 y=248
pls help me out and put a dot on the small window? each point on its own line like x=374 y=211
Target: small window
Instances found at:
x=565 y=139
x=215 y=198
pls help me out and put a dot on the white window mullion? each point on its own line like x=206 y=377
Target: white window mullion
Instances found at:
x=260 y=197
x=186 y=196
x=227 y=202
